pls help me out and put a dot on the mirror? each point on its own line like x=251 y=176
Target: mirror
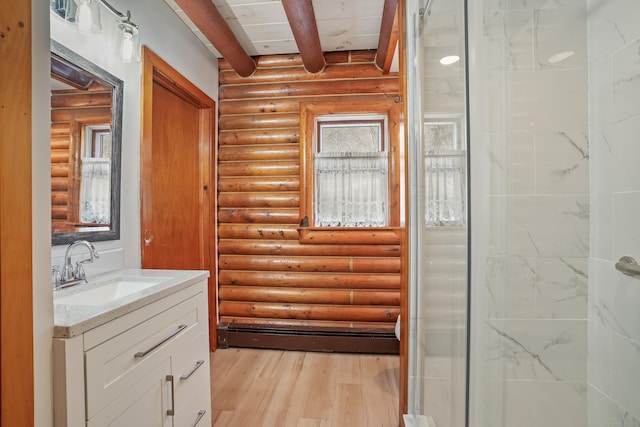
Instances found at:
x=86 y=137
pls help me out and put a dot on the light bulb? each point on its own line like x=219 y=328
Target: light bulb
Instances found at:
x=127 y=47
x=85 y=20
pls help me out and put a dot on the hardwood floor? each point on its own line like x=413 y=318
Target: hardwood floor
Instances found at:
x=272 y=388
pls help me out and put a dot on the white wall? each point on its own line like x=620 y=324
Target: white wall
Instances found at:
x=614 y=299
x=166 y=35
x=41 y=219
x=163 y=32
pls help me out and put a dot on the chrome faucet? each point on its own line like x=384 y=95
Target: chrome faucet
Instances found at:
x=73 y=276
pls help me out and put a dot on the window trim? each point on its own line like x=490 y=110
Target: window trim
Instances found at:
x=309 y=111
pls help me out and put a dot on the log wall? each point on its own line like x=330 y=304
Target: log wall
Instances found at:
x=267 y=277
x=70 y=109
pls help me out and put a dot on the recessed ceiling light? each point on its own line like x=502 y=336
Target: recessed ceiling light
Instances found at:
x=448 y=60
x=561 y=56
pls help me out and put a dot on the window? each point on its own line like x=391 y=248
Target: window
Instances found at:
x=445 y=172
x=351 y=172
x=350 y=165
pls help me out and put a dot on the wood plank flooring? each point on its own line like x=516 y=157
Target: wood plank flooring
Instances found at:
x=273 y=388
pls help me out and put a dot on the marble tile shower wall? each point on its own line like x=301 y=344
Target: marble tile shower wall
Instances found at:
x=536 y=284
x=614 y=299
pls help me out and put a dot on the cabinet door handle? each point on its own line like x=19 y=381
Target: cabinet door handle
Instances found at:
x=149 y=350
x=201 y=413
x=171 y=411
x=186 y=376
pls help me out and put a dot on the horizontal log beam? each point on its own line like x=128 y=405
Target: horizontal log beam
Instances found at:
x=60 y=143
x=382 y=236
x=258 y=231
x=59 y=156
x=60 y=184
x=241 y=246
x=309 y=296
x=59 y=171
x=235 y=153
x=347 y=87
x=253 y=184
x=262 y=121
x=284 y=105
x=98 y=114
x=259 y=216
x=259 y=200
x=310 y=280
x=60 y=128
x=298 y=324
x=279 y=61
x=309 y=311
x=81 y=99
x=317 y=264
x=297 y=74
x=290 y=168
x=266 y=136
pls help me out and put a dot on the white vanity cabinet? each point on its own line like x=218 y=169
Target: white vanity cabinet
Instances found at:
x=148 y=367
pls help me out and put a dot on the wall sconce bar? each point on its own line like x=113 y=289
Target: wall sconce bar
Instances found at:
x=86 y=14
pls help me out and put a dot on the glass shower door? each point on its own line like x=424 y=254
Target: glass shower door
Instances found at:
x=438 y=213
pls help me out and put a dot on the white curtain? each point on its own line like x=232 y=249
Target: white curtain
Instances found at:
x=95 y=191
x=351 y=189
x=445 y=187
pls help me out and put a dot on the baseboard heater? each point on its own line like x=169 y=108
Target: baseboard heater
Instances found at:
x=312 y=339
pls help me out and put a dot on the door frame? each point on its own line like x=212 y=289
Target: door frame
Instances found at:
x=156 y=70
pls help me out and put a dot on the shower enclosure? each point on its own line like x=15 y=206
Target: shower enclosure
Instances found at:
x=524 y=116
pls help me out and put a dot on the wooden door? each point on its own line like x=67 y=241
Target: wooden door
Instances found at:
x=173 y=216
x=176 y=169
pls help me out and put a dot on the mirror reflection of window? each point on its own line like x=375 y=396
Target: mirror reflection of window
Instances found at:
x=95 y=186
x=351 y=172
x=445 y=172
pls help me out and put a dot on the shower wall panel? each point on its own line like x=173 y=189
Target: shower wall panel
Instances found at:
x=614 y=322
x=530 y=317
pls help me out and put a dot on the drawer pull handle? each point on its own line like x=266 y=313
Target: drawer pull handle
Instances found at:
x=171 y=411
x=173 y=334
x=186 y=376
x=201 y=413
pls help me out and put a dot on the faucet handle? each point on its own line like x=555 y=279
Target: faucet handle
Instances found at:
x=56 y=276
x=79 y=273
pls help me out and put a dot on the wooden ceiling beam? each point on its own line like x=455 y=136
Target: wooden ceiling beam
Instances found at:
x=388 y=38
x=205 y=15
x=305 y=31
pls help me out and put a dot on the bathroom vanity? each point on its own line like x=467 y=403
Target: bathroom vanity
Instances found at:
x=132 y=349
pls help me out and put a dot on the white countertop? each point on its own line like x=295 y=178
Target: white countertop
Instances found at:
x=74 y=319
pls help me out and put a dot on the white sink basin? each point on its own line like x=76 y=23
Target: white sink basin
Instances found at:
x=104 y=293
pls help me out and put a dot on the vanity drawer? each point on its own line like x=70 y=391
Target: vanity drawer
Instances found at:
x=196 y=412
x=189 y=374
x=120 y=362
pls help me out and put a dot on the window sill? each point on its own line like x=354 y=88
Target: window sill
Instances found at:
x=350 y=236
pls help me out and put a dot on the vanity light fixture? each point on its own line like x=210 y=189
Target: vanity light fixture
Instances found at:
x=87 y=16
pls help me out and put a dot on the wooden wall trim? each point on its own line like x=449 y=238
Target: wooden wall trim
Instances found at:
x=16 y=276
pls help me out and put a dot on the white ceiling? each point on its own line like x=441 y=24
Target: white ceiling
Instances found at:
x=261 y=26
